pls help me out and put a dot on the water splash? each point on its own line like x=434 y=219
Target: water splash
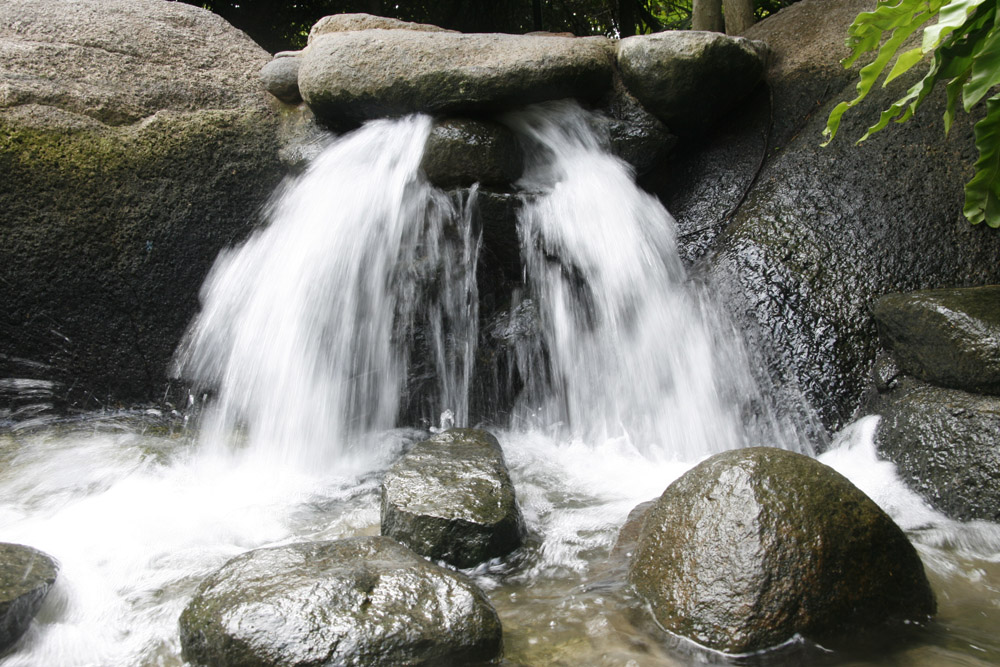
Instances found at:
x=628 y=348
x=305 y=329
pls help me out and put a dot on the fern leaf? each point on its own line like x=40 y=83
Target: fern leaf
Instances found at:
x=982 y=193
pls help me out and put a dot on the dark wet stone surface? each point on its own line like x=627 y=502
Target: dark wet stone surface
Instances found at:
x=946 y=446
x=26 y=575
x=948 y=337
x=359 y=602
x=450 y=498
x=753 y=546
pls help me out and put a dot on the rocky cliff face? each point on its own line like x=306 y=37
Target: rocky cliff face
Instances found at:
x=135 y=143
x=801 y=240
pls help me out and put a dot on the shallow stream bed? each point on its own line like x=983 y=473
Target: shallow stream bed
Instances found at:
x=137 y=514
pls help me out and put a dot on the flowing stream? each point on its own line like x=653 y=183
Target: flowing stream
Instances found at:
x=304 y=356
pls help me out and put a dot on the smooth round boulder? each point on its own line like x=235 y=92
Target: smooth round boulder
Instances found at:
x=689 y=79
x=26 y=576
x=948 y=337
x=363 y=601
x=463 y=151
x=281 y=78
x=349 y=77
x=754 y=546
x=450 y=498
x=944 y=443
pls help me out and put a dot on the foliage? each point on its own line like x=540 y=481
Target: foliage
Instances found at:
x=282 y=24
x=964 y=49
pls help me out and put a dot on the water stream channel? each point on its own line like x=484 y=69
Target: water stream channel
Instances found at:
x=300 y=359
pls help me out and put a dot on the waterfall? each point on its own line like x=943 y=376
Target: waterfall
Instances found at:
x=628 y=348
x=358 y=302
x=305 y=329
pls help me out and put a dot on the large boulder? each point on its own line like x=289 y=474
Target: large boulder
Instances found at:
x=26 y=575
x=945 y=445
x=948 y=337
x=689 y=79
x=754 y=546
x=450 y=498
x=354 y=602
x=349 y=77
x=823 y=232
x=135 y=143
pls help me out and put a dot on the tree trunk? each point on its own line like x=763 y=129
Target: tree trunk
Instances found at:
x=739 y=16
x=706 y=15
x=626 y=18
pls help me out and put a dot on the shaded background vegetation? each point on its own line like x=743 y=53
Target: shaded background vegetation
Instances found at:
x=279 y=25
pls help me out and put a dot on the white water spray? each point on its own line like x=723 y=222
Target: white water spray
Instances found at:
x=304 y=330
x=628 y=348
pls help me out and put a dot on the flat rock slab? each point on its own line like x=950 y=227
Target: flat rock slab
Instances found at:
x=26 y=575
x=450 y=498
x=363 y=601
x=349 y=77
x=754 y=546
x=946 y=446
x=689 y=79
x=949 y=337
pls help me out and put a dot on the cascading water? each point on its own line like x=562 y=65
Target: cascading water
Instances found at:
x=304 y=330
x=357 y=304
x=632 y=351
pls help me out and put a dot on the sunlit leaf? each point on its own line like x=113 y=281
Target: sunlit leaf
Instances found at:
x=985 y=71
x=951 y=17
x=904 y=62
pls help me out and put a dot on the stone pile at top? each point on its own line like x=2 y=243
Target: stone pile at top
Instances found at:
x=358 y=67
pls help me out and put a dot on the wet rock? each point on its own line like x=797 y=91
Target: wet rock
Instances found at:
x=136 y=142
x=450 y=498
x=281 y=78
x=823 y=232
x=359 y=601
x=628 y=536
x=948 y=337
x=496 y=218
x=754 y=546
x=689 y=79
x=26 y=575
x=944 y=444
x=636 y=136
x=349 y=77
x=462 y=151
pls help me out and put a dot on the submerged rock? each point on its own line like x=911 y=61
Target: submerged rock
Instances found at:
x=450 y=498
x=754 y=546
x=948 y=337
x=26 y=575
x=359 y=602
x=463 y=151
x=349 y=77
x=945 y=445
x=689 y=79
